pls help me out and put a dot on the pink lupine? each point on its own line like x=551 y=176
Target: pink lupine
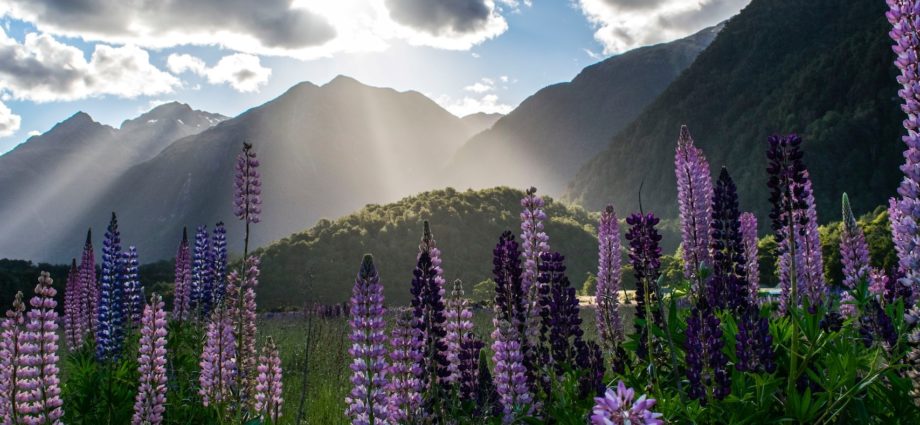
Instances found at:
x=40 y=387
x=268 y=383
x=458 y=326
x=11 y=362
x=150 y=403
x=73 y=333
x=218 y=360
x=621 y=408
x=694 y=197
x=245 y=324
x=89 y=293
x=183 y=279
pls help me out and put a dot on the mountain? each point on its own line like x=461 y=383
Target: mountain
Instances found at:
x=55 y=176
x=545 y=140
x=821 y=68
x=480 y=121
x=325 y=151
x=320 y=264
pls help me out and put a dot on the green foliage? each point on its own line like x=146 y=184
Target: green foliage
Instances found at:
x=99 y=393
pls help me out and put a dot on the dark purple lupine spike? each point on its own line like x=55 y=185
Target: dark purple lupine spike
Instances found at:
x=645 y=255
x=110 y=332
x=218 y=263
x=73 y=332
x=200 y=289
x=468 y=366
x=428 y=305
x=133 y=289
x=753 y=343
x=560 y=330
x=89 y=291
x=183 y=279
x=728 y=287
x=707 y=366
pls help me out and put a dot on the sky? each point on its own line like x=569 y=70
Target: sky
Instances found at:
x=115 y=59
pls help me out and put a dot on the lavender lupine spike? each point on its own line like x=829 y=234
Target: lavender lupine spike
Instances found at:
x=459 y=325
x=511 y=376
x=609 y=326
x=245 y=323
x=89 y=293
x=428 y=303
x=134 y=290
x=854 y=251
x=150 y=403
x=218 y=360
x=11 y=362
x=367 y=403
x=815 y=288
x=620 y=408
x=110 y=332
x=404 y=387
x=248 y=184
x=200 y=292
x=269 y=389
x=41 y=394
x=751 y=265
x=218 y=264
x=534 y=243
x=72 y=309
x=694 y=197
x=183 y=279
x=645 y=255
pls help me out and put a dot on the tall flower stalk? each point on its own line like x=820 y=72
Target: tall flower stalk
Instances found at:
x=751 y=265
x=247 y=199
x=40 y=390
x=242 y=298
x=534 y=243
x=854 y=250
x=200 y=292
x=609 y=325
x=694 y=197
x=183 y=279
x=367 y=403
x=645 y=255
x=133 y=289
x=269 y=389
x=404 y=385
x=459 y=325
x=150 y=403
x=218 y=263
x=428 y=305
x=12 y=328
x=728 y=286
x=89 y=292
x=218 y=363
x=73 y=330
x=110 y=332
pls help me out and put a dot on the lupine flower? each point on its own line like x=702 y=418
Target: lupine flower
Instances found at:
x=458 y=326
x=468 y=366
x=367 y=402
x=876 y=326
x=854 y=251
x=202 y=280
x=707 y=366
x=218 y=264
x=591 y=361
x=812 y=270
x=894 y=290
x=150 y=403
x=269 y=388
x=244 y=317
x=248 y=184
x=751 y=265
x=694 y=198
x=512 y=382
x=40 y=391
x=11 y=362
x=182 y=299
x=110 y=332
x=645 y=255
x=72 y=309
x=89 y=293
x=753 y=342
x=218 y=359
x=848 y=305
x=619 y=408
x=428 y=305
x=560 y=330
x=609 y=326
x=133 y=290
x=728 y=286
x=534 y=243
x=404 y=387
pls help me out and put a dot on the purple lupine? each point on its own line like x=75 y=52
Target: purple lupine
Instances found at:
x=133 y=289
x=41 y=392
x=812 y=270
x=183 y=279
x=89 y=293
x=847 y=307
x=150 y=403
x=269 y=387
x=534 y=243
x=218 y=263
x=706 y=364
x=11 y=362
x=428 y=304
x=645 y=255
x=458 y=316
x=754 y=343
x=247 y=195
x=404 y=386
x=728 y=286
x=609 y=326
x=854 y=251
x=619 y=408
x=110 y=332
x=218 y=360
x=560 y=327
x=512 y=379
x=751 y=265
x=244 y=317
x=72 y=309
x=367 y=400
x=468 y=366
x=202 y=280
x=694 y=198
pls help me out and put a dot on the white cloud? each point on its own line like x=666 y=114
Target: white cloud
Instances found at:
x=34 y=133
x=9 y=122
x=488 y=103
x=241 y=71
x=42 y=69
x=626 y=24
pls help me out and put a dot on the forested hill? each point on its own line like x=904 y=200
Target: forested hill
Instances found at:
x=822 y=68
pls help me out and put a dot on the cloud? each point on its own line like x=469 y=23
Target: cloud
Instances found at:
x=9 y=122
x=481 y=86
x=34 y=133
x=243 y=72
x=447 y=24
x=622 y=25
x=487 y=103
x=41 y=69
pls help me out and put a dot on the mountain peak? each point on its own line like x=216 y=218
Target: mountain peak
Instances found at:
x=341 y=80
